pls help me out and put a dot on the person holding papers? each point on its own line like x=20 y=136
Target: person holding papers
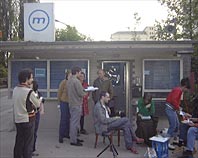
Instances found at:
x=146 y=123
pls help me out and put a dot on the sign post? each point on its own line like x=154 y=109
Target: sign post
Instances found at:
x=39 y=23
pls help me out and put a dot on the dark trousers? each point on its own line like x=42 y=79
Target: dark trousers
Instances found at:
x=64 y=120
x=24 y=140
x=82 y=123
x=36 y=129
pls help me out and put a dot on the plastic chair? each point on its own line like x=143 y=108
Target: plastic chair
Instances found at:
x=111 y=146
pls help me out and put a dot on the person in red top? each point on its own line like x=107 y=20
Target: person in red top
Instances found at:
x=85 y=109
x=173 y=106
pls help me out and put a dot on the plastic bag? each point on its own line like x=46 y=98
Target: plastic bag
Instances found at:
x=150 y=153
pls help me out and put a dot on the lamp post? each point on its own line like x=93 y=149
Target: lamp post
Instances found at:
x=61 y=22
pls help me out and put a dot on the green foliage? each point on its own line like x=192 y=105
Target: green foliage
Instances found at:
x=3 y=71
x=69 y=34
x=181 y=23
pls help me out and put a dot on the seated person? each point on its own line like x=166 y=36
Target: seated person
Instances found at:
x=192 y=135
x=146 y=123
x=105 y=124
x=184 y=127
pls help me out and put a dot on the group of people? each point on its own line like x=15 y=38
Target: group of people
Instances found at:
x=186 y=131
x=74 y=106
x=73 y=99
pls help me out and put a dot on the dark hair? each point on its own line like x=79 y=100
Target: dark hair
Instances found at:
x=103 y=94
x=185 y=83
x=34 y=85
x=24 y=75
x=147 y=97
x=74 y=70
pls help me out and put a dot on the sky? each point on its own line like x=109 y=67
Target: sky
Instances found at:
x=99 y=19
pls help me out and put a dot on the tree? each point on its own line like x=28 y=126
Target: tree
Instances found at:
x=181 y=23
x=69 y=34
x=137 y=19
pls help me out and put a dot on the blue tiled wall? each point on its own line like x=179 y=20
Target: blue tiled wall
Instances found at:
x=17 y=66
x=57 y=70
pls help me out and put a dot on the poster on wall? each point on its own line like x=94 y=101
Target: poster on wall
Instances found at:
x=40 y=72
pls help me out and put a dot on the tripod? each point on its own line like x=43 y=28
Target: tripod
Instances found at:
x=112 y=148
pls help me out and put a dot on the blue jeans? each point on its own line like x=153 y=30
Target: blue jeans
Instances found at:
x=124 y=124
x=183 y=131
x=191 y=137
x=173 y=122
x=64 y=120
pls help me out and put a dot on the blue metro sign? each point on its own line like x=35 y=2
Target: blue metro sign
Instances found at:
x=38 y=20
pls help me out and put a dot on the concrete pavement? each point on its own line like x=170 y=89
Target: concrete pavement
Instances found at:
x=47 y=142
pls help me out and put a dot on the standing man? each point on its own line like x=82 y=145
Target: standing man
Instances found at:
x=25 y=102
x=173 y=106
x=75 y=94
x=64 y=108
x=103 y=84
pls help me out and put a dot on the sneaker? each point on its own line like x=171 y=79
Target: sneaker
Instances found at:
x=171 y=147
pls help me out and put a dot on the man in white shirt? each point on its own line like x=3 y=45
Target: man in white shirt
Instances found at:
x=25 y=101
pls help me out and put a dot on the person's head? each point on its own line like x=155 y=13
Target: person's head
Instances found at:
x=147 y=98
x=25 y=76
x=34 y=85
x=82 y=77
x=76 y=71
x=68 y=74
x=101 y=73
x=104 y=97
x=185 y=84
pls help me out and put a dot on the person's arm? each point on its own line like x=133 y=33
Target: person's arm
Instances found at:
x=34 y=99
x=94 y=92
x=152 y=108
x=60 y=90
x=110 y=89
x=79 y=89
x=140 y=106
x=102 y=117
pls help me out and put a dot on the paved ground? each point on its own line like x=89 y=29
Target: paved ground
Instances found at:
x=47 y=144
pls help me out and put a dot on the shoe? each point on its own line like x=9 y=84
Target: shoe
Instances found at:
x=35 y=154
x=187 y=153
x=76 y=144
x=60 y=140
x=133 y=150
x=83 y=131
x=80 y=140
x=171 y=147
x=139 y=140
